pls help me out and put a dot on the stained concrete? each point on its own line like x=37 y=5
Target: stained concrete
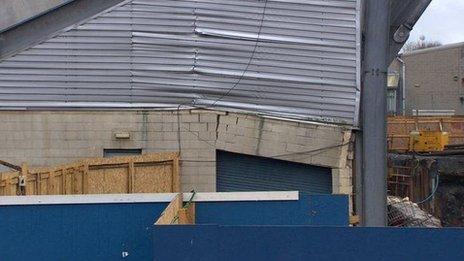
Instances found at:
x=47 y=138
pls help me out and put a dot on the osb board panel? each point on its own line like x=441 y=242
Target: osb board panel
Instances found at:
x=10 y=185
x=31 y=188
x=171 y=212
x=76 y=180
x=108 y=180
x=187 y=215
x=56 y=183
x=152 y=178
x=44 y=183
x=68 y=184
x=155 y=172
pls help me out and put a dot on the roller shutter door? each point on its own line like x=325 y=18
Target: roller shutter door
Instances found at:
x=240 y=172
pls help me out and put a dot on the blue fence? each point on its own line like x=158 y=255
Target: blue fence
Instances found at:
x=214 y=242
x=106 y=231
x=240 y=230
x=313 y=210
x=77 y=232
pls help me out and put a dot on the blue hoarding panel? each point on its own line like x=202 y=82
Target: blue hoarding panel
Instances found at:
x=105 y=231
x=316 y=210
x=213 y=242
x=77 y=232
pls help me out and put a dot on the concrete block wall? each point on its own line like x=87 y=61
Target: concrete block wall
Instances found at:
x=435 y=80
x=45 y=138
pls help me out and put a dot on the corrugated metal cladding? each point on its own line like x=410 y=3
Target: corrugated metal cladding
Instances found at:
x=155 y=53
x=239 y=172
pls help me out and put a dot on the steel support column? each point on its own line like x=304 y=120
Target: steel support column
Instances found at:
x=374 y=112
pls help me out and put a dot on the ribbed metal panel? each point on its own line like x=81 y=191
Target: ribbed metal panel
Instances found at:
x=239 y=172
x=161 y=53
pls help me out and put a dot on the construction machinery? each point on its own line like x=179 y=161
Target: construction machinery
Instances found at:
x=428 y=141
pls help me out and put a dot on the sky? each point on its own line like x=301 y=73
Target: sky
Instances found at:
x=443 y=21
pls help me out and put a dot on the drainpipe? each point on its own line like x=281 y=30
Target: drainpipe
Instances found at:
x=403 y=85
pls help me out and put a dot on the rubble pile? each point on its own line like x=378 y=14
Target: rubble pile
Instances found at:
x=404 y=213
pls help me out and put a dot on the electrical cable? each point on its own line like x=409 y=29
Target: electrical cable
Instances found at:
x=249 y=60
x=189 y=202
x=314 y=150
x=434 y=190
x=414 y=173
x=230 y=89
x=179 y=146
x=199 y=161
x=281 y=155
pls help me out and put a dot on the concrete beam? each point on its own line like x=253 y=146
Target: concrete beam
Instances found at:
x=45 y=26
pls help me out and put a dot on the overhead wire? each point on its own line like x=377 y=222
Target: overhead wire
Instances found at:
x=253 y=52
x=313 y=150
x=283 y=155
x=432 y=194
x=227 y=93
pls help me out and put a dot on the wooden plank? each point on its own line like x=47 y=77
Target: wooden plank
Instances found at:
x=176 y=175
x=2 y=186
x=85 y=178
x=44 y=180
x=75 y=172
x=55 y=182
x=63 y=182
x=148 y=173
x=38 y=180
x=187 y=215
x=22 y=178
x=170 y=214
x=130 y=177
x=6 y=190
x=354 y=220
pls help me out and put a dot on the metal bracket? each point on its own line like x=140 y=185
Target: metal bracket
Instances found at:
x=376 y=72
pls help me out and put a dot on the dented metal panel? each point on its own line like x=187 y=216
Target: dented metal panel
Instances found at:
x=291 y=58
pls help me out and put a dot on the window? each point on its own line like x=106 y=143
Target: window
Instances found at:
x=391 y=101
x=108 y=153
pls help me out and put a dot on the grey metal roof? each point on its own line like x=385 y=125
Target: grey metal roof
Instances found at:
x=404 y=15
x=155 y=53
x=14 y=12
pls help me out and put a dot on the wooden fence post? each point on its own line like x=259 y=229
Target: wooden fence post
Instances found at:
x=22 y=179
x=175 y=175
x=85 y=179
x=130 y=177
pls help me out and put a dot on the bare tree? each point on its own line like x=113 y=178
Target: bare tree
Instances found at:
x=420 y=44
